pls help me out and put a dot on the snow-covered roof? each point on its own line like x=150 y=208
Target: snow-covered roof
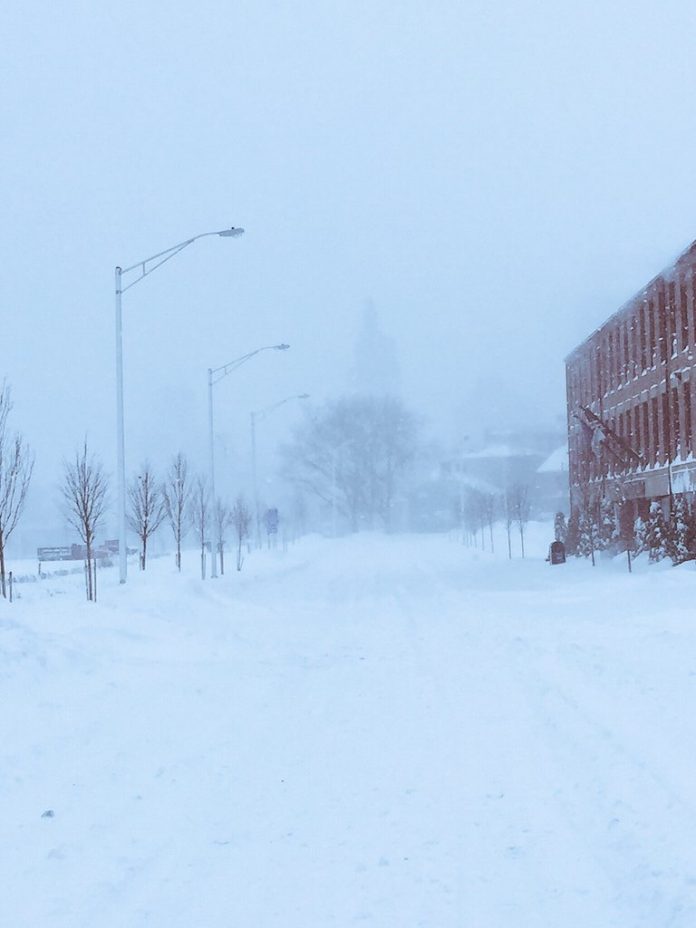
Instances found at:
x=556 y=462
x=466 y=481
x=498 y=451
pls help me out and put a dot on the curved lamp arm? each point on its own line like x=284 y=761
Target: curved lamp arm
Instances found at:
x=261 y=414
x=216 y=374
x=163 y=256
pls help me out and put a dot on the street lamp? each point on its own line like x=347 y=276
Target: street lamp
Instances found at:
x=144 y=267
x=260 y=415
x=214 y=376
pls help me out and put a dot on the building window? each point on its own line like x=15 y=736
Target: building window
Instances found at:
x=594 y=388
x=633 y=346
x=686 y=387
x=662 y=328
x=655 y=444
x=627 y=351
x=684 y=314
x=675 y=425
x=644 y=437
x=666 y=437
x=643 y=340
x=618 y=356
x=633 y=425
x=650 y=334
x=618 y=342
x=672 y=318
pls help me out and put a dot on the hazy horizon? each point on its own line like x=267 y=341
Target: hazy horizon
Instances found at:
x=496 y=178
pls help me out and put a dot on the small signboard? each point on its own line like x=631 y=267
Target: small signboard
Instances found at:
x=55 y=553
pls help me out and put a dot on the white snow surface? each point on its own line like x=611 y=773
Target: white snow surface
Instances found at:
x=395 y=731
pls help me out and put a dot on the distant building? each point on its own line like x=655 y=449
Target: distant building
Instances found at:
x=376 y=363
x=489 y=465
x=498 y=464
x=550 y=489
x=434 y=504
x=630 y=397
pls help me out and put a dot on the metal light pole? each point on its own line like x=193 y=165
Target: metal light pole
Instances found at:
x=257 y=517
x=214 y=376
x=211 y=452
x=120 y=440
x=262 y=414
x=144 y=267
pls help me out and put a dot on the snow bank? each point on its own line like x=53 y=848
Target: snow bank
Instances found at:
x=392 y=730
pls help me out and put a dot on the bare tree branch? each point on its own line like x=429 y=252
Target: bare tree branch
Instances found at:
x=200 y=516
x=16 y=467
x=221 y=516
x=240 y=518
x=176 y=492
x=84 y=495
x=146 y=508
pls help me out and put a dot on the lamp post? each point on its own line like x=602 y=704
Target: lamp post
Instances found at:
x=214 y=376
x=144 y=267
x=260 y=415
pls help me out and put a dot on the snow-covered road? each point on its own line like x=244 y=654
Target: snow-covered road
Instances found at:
x=394 y=731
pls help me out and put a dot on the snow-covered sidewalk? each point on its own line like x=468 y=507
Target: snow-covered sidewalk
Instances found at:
x=386 y=730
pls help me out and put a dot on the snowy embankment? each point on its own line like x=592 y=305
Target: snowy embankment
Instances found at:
x=398 y=731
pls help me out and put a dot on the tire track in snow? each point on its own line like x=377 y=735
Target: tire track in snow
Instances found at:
x=628 y=814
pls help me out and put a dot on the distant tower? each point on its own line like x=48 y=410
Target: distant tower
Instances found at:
x=375 y=363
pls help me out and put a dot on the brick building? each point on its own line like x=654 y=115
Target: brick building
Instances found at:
x=631 y=397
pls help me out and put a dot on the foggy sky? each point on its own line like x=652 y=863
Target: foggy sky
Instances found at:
x=496 y=178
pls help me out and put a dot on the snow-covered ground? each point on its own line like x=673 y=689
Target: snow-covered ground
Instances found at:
x=396 y=731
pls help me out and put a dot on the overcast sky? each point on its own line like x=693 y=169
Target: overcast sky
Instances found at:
x=497 y=177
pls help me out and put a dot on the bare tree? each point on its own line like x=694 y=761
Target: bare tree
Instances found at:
x=201 y=516
x=176 y=492
x=352 y=453
x=222 y=520
x=147 y=509
x=488 y=504
x=519 y=497
x=240 y=518
x=16 y=466
x=472 y=516
x=509 y=519
x=588 y=529
x=84 y=494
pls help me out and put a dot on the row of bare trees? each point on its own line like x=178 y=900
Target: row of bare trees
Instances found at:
x=179 y=500
x=185 y=502
x=83 y=491
x=351 y=455
x=151 y=502
x=479 y=510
